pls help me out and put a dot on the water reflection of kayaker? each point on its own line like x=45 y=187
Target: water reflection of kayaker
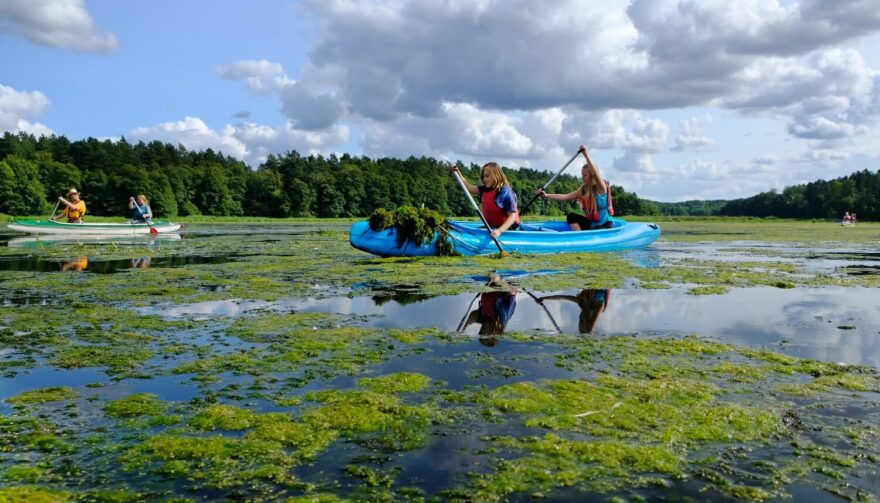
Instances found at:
x=140 y=263
x=494 y=310
x=592 y=303
x=78 y=264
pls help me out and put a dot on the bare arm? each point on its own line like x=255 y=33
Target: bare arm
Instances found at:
x=572 y=298
x=511 y=219
x=471 y=188
x=571 y=196
x=595 y=174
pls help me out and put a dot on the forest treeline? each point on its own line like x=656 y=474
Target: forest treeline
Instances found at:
x=35 y=171
x=856 y=193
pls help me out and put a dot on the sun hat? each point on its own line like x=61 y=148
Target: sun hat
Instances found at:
x=71 y=192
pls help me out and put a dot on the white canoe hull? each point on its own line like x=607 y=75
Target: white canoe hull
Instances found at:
x=90 y=229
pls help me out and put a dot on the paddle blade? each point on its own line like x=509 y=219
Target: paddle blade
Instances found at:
x=153 y=231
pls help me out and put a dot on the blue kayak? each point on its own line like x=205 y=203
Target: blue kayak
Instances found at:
x=471 y=238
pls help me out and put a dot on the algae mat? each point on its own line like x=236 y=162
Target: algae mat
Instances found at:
x=107 y=395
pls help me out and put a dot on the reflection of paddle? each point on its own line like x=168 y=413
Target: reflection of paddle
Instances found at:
x=466 y=313
x=526 y=207
x=141 y=210
x=479 y=212
x=545 y=310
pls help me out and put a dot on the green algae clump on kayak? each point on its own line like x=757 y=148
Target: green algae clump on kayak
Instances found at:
x=418 y=225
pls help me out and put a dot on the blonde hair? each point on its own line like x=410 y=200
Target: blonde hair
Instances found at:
x=141 y=196
x=497 y=174
x=588 y=193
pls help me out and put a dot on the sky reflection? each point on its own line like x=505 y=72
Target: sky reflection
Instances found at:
x=831 y=324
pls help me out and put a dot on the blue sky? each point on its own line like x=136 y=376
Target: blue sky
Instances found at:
x=677 y=99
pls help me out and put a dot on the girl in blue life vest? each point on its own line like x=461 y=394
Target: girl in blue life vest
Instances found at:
x=141 y=207
x=594 y=196
x=497 y=199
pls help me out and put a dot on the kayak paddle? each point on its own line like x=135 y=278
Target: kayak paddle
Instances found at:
x=526 y=207
x=55 y=209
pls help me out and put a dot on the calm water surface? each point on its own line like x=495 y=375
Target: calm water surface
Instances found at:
x=832 y=324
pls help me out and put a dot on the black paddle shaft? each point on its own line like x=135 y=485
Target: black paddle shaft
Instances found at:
x=550 y=181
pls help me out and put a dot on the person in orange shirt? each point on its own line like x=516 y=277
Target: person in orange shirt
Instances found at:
x=78 y=264
x=73 y=209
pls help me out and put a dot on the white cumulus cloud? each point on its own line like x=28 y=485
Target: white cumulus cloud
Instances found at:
x=194 y=134
x=19 y=108
x=57 y=23
x=261 y=76
x=691 y=137
x=248 y=142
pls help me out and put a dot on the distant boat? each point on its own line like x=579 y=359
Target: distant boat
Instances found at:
x=471 y=238
x=90 y=229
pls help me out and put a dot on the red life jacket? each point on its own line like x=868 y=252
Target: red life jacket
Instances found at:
x=487 y=304
x=593 y=213
x=494 y=214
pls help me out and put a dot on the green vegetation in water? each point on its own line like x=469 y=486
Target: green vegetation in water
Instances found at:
x=418 y=225
x=291 y=267
x=44 y=395
x=141 y=404
x=637 y=413
x=269 y=393
x=400 y=382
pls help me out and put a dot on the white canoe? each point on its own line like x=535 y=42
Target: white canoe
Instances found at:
x=90 y=229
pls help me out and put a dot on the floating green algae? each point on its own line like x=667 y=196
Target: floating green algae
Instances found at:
x=44 y=395
x=117 y=359
x=317 y=407
x=353 y=413
x=400 y=382
x=552 y=462
x=34 y=494
x=82 y=335
x=621 y=425
x=213 y=462
x=223 y=417
x=291 y=266
x=141 y=404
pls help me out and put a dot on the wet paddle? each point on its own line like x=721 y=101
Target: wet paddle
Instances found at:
x=479 y=212
x=549 y=182
x=52 y=216
x=141 y=210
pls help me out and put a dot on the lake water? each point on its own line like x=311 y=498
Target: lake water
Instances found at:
x=231 y=324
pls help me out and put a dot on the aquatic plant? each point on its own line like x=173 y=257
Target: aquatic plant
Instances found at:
x=418 y=225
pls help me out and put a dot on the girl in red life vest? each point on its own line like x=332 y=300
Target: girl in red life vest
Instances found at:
x=497 y=199
x=594 y=196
